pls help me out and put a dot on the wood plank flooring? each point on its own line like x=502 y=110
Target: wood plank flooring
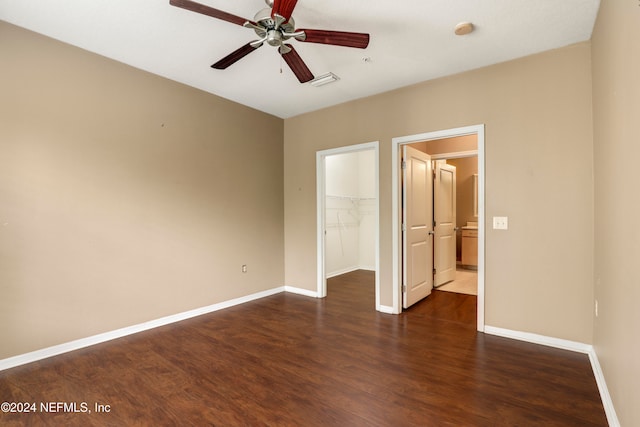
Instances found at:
x=289 y=360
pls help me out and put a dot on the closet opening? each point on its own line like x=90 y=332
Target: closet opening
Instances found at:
x=347 y=180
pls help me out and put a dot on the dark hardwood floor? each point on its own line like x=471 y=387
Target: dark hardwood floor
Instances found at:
x=289 y=360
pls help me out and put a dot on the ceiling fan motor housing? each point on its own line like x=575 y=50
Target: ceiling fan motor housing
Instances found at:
x=268 y=26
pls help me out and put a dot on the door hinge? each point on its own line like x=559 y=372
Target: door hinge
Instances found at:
x=404 y=288
x=404 y=227
x=403 y=165
x=434 y=271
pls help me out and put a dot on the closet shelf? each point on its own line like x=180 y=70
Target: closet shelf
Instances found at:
x=352 y=198
x=345 y=225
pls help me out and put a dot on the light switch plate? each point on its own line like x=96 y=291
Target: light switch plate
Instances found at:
x=500 y=223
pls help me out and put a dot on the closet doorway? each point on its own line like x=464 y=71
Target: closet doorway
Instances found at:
x=347 y=203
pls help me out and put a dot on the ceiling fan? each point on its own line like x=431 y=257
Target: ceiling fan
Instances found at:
x=275 y=25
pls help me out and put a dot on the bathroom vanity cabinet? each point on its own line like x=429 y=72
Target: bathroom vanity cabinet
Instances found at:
x=469 y=247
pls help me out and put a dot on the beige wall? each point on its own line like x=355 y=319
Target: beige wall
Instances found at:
x=125 y=197
x=537 y=112
x=616 y=98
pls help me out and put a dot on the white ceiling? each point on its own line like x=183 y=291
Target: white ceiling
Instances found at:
x=411 y=41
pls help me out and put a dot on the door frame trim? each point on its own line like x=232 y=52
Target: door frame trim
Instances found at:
x=321 y=211
x=396 y=242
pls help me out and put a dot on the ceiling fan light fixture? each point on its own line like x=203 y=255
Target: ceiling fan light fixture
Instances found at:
x=324 y=79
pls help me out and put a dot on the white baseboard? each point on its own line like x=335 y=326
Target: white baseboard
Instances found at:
x=300 y=291
x=538 y=339
x=349 y=270
x=342 y=271
x=386 y=309
x=55 y=350
x=609 y=410
x=578 y=347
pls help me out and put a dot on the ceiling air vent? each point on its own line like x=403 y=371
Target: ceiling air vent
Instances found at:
x=324 y=79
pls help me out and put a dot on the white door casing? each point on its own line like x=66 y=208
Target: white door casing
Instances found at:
x=417 y=227
x=444 y=196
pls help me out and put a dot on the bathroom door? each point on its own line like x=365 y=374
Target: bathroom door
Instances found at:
x=417 y=226
x=444 y=195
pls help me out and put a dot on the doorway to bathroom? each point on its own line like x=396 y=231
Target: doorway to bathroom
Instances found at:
x=414 y=233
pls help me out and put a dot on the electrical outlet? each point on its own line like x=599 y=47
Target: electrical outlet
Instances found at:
x=500 y=223
x=244 y=268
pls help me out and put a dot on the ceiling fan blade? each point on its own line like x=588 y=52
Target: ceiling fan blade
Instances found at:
x=283 y=8
x=209 y=11
x=234 y=57
x=336 y=38
x=297 y=65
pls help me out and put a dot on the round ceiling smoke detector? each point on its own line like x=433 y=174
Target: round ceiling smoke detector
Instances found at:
x=463 y=28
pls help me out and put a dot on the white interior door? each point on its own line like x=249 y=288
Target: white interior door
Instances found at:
x=445 y=222
x=417 y=220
